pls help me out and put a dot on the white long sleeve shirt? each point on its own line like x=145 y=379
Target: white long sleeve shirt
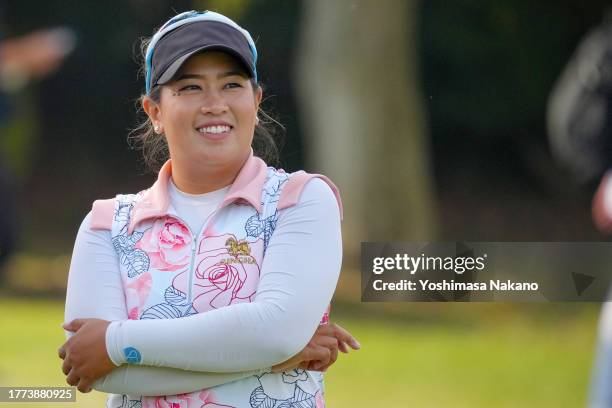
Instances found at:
x=298 y=277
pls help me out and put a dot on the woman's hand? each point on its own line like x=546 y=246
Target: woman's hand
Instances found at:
x=322 y=349
x=84 y=354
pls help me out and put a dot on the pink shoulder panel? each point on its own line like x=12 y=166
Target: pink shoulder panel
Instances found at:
x=293 y=189
x=102 y=212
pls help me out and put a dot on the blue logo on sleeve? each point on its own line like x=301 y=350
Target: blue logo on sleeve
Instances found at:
x=132 y=355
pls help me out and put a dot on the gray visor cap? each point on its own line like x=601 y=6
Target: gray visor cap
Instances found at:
x=178 y=45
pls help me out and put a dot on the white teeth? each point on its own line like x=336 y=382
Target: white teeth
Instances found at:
x=214 y=129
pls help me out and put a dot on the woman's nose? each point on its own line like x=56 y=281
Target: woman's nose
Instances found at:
x=214 y=104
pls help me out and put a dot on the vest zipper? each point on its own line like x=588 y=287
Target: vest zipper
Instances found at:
x=191 y=270
x=194 y=243
x=193 y=249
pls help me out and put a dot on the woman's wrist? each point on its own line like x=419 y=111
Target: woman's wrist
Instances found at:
x=112 y=345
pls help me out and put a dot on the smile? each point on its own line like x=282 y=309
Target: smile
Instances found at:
x=215 y=129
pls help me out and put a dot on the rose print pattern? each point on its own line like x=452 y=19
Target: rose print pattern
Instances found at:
x=167 y=243
x=203 y=399
x=136 y=293
x=319 y=401
x=227 y=272
x=207 y=397
x=325 y=318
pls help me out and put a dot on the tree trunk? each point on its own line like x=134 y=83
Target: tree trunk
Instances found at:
x=357 y=79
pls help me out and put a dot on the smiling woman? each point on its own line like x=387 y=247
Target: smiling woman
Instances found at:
x=212 y=287
x=208 y=115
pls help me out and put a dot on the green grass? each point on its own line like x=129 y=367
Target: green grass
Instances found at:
x=31 y=335
x=420 y=355
x=485 y=356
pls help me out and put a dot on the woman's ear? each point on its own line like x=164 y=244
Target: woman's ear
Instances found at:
x=152 y=110
x=258 y=96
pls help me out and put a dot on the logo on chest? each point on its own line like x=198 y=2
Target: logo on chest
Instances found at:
x=226 y=272
x=239 y=250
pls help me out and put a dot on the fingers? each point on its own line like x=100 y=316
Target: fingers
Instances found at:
x=325 y=330
x=344 y=336
x=66 y=367
x=74 y=325
x=319 y=353
x=343 y=347
x=332 y=359
x=72 y=378
x=61 y=352
x=84 y=385
x=320 y=366
x=322 y=350
x=335 y=338
x=326 y=341
x=312 y=353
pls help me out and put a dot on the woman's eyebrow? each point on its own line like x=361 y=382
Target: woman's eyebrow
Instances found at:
x=219 y=76
x=231 y=73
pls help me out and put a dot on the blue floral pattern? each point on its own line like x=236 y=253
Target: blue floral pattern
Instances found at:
x=288 y=394
x=176 y=306
x=136 y=261
x=129 y=403
x=265 y=223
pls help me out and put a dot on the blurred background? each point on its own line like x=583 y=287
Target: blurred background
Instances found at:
x=430 y=116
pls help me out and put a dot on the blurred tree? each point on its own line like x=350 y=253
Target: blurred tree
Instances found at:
x=357 y=77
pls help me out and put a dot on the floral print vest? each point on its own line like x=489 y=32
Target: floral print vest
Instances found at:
x=170 y=272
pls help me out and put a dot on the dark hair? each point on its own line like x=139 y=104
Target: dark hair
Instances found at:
x=154 y=147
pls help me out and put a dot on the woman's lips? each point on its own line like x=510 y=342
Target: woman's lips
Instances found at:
x=215 y=132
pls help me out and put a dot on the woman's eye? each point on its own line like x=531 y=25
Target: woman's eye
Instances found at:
x=190 y=88
x=233 y=85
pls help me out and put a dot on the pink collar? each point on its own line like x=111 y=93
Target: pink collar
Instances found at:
x=246 y=186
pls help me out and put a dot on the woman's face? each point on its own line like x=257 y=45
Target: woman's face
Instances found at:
x=208 y=112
